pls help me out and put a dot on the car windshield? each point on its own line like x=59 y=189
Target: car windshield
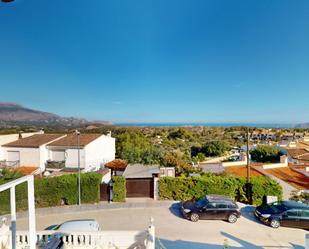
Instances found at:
x=278 y=207
x=201 y=203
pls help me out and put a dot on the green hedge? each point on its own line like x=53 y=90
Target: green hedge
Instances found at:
x=54 y=191
x=119 y=188
x=186 y=188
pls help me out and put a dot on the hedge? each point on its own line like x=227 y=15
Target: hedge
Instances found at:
x=119 y=188
x=55 y=191
x=186 y=188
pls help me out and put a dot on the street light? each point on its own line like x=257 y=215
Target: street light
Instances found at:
x=249 y=186
x=78 y=162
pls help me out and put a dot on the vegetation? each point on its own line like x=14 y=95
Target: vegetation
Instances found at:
x=302 y=197
x=265 y=154
x=187 y=188
x=53 y=191
x=119 y=189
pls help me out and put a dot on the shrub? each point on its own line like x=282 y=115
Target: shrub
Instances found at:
x=265 y=154
x=186 y=188
x=54 y=191
x=119 y=188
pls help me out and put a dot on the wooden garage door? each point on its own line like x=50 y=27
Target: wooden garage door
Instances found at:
x=104 y=192
x=142 y=187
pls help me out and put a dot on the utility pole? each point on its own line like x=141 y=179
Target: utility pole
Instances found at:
x=248 y=157
x=78 y=162
x=249 y=186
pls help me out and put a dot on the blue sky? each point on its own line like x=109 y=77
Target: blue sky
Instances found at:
x=158 y=61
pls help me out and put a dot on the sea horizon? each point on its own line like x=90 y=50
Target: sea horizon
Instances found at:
x=209 y=124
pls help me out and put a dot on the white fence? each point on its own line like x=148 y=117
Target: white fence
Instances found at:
x=88 y=240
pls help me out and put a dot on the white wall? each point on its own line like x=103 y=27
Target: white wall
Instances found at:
x=101 y=150
x=4 y=139
x=72 y=158
x=28 y=156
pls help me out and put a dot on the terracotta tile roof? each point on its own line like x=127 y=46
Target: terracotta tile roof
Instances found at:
x=296 y=153
x=290 y=176
x=34 y=141
x=26 y=170
x=71 y=140
x=241 y=171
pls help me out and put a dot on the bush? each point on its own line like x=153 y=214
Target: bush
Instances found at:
x=55 y=191
x=119 y=189
x=186 y=188
x=215 y=148
x=265 y=154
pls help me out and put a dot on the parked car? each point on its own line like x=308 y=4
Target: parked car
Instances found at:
x=211 y=207
x=86 y=225
x=284 y=213
x=56 y=240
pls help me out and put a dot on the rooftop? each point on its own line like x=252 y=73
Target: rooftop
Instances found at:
x=34 y=141
x=141 y=171
x=71 y=140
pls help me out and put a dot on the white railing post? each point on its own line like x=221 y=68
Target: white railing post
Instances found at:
x=31 y=211
x=150 y=244
x=13 y=217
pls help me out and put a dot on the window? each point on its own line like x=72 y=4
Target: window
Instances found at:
x=292 y=213
x=221 y=205
x=211 y=205
x=304 y=214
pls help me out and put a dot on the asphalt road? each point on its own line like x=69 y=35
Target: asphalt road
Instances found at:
x=174 y=232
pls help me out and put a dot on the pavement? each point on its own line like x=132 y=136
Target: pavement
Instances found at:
x=174 y=232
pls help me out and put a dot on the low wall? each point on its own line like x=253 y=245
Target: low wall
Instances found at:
x=231 y=164
x=275 y=165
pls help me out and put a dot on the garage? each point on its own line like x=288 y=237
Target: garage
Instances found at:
x=140 y=180
x=139 y=187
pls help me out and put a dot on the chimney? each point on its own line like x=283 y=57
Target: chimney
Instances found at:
x=20 y=136
x=42 y=131
x=109 y=134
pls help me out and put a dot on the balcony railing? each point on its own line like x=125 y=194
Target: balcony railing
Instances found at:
x=55 y=164
x=9 y=164
x=88 y=240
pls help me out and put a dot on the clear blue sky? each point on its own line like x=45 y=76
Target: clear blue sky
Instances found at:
x=158 y=61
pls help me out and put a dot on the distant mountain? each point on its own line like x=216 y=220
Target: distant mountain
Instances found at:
x=12 y=115
x=303 y=125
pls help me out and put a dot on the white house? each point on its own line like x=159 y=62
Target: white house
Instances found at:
x=41 y=149
x=8 y=138
x=30 y=151
x=94 y=150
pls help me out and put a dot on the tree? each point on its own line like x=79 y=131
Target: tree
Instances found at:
x=134 y=147
x=215 y=148
x=265 y=153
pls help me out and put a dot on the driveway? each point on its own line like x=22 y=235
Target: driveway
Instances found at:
x=174 y=232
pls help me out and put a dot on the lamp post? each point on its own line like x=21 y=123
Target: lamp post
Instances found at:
x=249 y=186
x=78 y=162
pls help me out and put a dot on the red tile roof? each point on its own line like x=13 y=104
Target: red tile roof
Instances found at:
x=34 y=141
x=71 y=140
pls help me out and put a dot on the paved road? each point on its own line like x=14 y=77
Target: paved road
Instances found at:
x=177 y=233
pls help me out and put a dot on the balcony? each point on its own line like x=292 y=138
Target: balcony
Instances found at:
x=49 y=239
x=55 y=164
x=9 y=164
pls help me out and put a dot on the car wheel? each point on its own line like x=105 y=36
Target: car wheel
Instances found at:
x=232 y=218
x=275 y=223
x=194 y=217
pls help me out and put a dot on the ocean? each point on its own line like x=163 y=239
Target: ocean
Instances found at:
x=258 y=125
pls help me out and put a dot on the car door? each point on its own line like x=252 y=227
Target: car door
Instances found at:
x=290 y=218
x=304 y=219
x=209 y=211
x=222 y=210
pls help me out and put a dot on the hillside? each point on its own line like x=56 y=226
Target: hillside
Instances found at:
x=14 y=115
